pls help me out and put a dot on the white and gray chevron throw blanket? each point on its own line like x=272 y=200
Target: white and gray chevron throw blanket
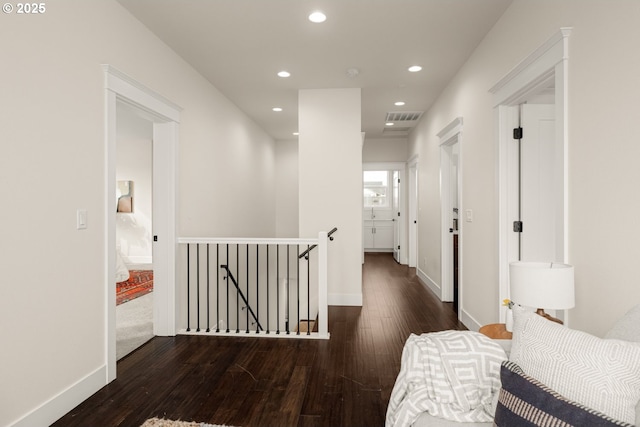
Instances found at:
x=451 y=374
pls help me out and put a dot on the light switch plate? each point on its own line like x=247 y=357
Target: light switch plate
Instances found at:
x=469 y=215
x=81 y=220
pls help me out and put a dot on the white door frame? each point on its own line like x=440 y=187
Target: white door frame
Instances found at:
x=391 y=166
x=166 y=116
x=547 y=64
x=398 y=215
x=412 y=208
x=450 y=135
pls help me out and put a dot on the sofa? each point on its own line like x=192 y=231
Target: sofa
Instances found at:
x=549 y=370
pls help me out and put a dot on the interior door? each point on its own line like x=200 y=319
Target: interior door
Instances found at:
x=413 y=215
x=537 y=184
x=396 y=215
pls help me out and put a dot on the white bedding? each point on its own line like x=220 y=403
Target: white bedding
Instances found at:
x=453 y=375
x=122 y=272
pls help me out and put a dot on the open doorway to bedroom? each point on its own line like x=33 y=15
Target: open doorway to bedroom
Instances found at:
x=121 y=90
x=134 y=220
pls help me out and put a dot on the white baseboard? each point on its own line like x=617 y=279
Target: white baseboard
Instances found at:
x=468 y=321
x=56 y=407
x=345 y=299
x=429 y=283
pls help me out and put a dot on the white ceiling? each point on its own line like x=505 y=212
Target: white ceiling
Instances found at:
x=240 y=45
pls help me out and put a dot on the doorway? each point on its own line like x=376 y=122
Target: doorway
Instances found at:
x=134 y=216
x=120 y=89
x=383 y=217
x=396 y=214
x=412 y=217
x=537 y=204
x=450 y=197
x=540 y=78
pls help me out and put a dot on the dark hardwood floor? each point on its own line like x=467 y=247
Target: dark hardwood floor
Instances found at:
x=345 y=381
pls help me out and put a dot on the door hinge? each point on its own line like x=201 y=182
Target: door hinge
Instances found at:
x=517 y=133
x=517 y=226
x=398 y=213
x=398 y=247
x=155 y=238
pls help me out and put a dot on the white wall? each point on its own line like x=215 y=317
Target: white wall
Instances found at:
x=330 y=183
x=603 y=175
x=385 y=150
x=134 y=163
x=52 y=119
x=287 y=188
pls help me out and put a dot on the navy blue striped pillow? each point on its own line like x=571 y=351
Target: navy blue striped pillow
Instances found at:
x=524 y=401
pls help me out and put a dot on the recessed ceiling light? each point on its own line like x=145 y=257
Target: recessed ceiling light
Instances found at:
x=317 y=17
x=284 y=74
x=399 y=103
x=415 y=68
x=389 y=124
x=277 y=109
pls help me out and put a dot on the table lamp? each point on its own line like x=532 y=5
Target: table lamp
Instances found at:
x=542 y=285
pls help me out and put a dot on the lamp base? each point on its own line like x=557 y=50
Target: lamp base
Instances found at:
x=541 y=312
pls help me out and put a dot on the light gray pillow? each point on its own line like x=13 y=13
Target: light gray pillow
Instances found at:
x=603 y=374
x=627 y=327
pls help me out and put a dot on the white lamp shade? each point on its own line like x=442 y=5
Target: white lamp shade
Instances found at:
x=543 y=285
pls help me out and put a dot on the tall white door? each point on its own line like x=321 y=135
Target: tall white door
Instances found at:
x=413 y=215
x=538 y=187
x=396 y=215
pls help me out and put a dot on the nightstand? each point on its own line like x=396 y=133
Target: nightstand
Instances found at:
x=496 y=331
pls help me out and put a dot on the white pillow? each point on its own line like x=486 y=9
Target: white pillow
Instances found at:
x=603 y=374
x=627 y=327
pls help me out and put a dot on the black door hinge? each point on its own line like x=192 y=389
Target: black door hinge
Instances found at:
x=517 y=226
x=155 y=238
x=517 y=133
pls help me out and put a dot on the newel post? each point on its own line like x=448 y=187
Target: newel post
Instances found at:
x=323 y=309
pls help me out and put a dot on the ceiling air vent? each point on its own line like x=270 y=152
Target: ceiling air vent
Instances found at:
x=403 y=116
x=403 y=122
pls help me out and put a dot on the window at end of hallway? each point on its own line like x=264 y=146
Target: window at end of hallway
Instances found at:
x=376 y=184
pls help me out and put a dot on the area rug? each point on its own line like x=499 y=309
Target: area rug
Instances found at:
x=140 y=283
x=158 y=422
x=134 y=324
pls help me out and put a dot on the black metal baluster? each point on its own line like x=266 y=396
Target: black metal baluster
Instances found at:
x=238 y=288
x=217 y=288
x=226 y=278
x=268 y=289
x=308 y=295
x=208 y=293
x=277 y=289
x=298 y=290
x=248 y=293
x=198 y=288
x=288 y=294
x=188 y=290
x=257 y=287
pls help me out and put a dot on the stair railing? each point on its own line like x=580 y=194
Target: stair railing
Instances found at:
x=265 y=277
x=244 y=299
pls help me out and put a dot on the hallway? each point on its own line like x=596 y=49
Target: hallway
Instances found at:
x=345 y=381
